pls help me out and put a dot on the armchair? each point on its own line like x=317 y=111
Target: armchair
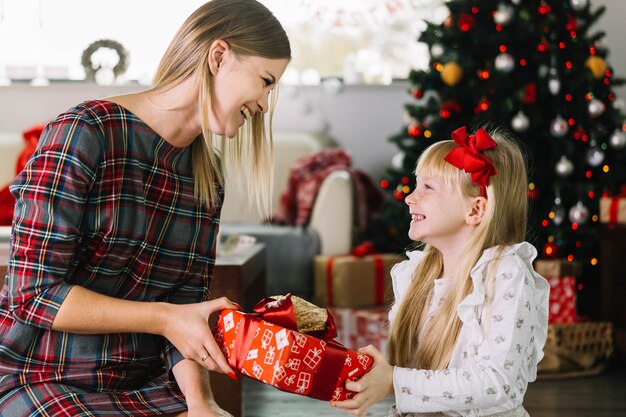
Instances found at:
x=290 y=249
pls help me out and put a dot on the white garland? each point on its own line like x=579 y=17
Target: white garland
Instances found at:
x=88 y=65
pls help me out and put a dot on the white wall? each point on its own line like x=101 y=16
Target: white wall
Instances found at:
x=360 y=118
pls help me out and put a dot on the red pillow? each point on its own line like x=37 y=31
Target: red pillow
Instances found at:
x=31 y=137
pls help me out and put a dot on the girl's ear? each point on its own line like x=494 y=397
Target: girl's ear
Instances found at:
x=217 y=52
x=476 y=212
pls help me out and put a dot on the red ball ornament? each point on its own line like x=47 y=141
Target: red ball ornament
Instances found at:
x=533 y=194
x=572 y=23
x=543 y=47
x=466 y=22
x=384 y=183
x=398 y=195
x=483 y=105
x=414 y=130
x=550 y=250
x=530 y=93
x=544 y=9
x=418 y=93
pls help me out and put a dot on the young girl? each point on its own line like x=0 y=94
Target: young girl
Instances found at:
x=470 y=318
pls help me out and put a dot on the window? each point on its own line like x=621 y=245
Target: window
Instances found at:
x=330 y=38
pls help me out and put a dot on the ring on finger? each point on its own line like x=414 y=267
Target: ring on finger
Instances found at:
x=203 y=358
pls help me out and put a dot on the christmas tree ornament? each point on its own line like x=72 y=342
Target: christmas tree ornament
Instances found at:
x=516 y=2
x=559 y=127
x=503 y=14
x=398 y=160
x=520 y=122
x=550 y=250
x=594 y=155
x=618 y=139
x=544 y=8
x=618 y=104
x=414 y=130
x=417 y=92
x=436 y=50
x=504 y=62
x=579 y=214
x=466 y=22
x=596 y=65
x=554 y=82
x=579 y=5
x=451 y=73
x=564 y=167
x=596 y=107
x=558 y=211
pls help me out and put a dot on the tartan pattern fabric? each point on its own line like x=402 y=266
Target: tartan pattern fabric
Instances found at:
x=104 y=203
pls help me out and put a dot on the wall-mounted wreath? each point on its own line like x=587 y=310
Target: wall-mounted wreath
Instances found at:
x=92 y=67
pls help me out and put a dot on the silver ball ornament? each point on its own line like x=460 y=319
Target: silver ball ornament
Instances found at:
x=520 y=122
x=397 y=161
x=559 y=214
x=503 y=14
x=617 y=139
x=579 y=5
x=559 y=127
x=594 y=156
x=436 y=50
x=596 y=107
x=579 y=213
x=504 y=62
x=564 y=167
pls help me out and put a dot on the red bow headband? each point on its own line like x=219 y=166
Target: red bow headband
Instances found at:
x=466 y=156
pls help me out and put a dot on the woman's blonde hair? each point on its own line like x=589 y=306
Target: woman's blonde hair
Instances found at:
x=249 y=29
x=411 y=344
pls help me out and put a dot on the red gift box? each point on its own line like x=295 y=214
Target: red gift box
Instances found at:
x=267 y=346
x=359 y=327
x=562 y=300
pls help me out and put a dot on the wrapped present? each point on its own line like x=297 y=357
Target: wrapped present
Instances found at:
x=561 y=275
x=359 y=327
x=288 y=343
x=353 y=281
x=562 y=304
x=577 y=349
x=558 y=268
x=613 y=209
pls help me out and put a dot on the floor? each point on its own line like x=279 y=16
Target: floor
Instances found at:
x=594 y=396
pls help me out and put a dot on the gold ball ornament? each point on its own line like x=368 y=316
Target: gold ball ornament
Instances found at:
x=596 y=65
x=451 y=73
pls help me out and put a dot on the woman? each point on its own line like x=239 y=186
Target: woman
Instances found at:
x=105 y=308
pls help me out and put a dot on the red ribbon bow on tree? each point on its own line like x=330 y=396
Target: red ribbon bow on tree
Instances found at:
x=466 y=156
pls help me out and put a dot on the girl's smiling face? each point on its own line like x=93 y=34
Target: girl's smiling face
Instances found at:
x=240 y=88
x=438 y=212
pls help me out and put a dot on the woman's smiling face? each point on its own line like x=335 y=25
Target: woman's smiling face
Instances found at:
x=240 y=88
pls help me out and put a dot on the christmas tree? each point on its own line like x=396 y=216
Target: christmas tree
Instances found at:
x=537 y=68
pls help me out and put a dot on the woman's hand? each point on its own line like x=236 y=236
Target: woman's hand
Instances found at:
x=187 y=327
x=375 y=385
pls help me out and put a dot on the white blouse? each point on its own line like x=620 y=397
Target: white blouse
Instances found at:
x=496 y=355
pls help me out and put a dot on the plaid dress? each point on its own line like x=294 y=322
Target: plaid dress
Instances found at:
x=107 y=204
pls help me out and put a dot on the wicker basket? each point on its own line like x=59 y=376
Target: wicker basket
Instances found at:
x=577 y=349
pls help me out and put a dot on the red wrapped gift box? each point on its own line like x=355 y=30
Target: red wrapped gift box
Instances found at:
x=562 y=300
x=266 y=346
x=359 y=327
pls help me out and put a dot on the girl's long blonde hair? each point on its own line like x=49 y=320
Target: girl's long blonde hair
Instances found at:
x=411 y=344
x=249 y=29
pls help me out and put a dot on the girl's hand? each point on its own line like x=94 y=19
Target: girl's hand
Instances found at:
x=208 y=408
x=371 y=388
x=187 y=327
